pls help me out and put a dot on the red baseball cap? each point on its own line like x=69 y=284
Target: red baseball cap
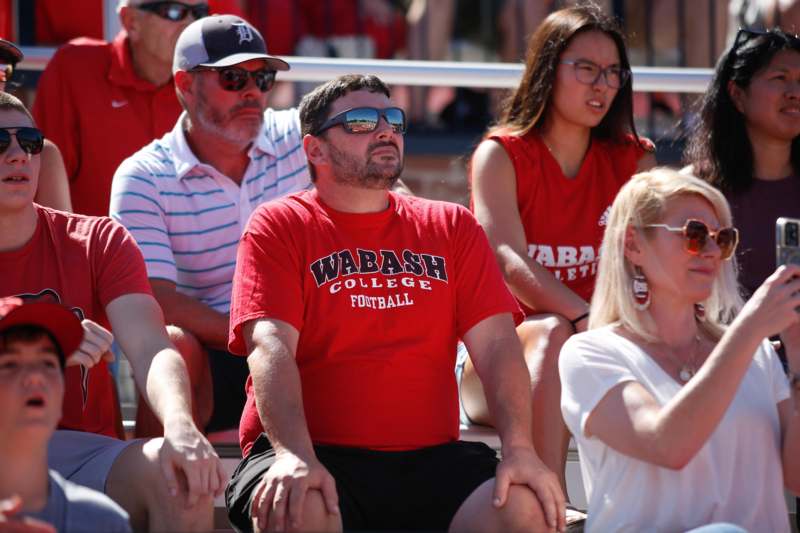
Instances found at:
x=57 y=319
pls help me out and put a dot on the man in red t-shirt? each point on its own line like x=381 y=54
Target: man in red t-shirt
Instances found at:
x=99 y=102
x=349 y=301
x=92 y=265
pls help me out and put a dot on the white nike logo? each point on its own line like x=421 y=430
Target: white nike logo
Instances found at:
x=118 y=103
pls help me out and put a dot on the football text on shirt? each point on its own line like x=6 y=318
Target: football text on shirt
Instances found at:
x=390 y=271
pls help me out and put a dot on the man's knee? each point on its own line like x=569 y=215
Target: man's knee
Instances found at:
x=315 y=516
x=137 y=482
x=522 y=511
x=543 y=338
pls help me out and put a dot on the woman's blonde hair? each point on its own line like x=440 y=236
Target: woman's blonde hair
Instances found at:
x=640 y=202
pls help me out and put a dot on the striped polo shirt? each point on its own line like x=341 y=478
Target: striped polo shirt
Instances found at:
x=187 y=217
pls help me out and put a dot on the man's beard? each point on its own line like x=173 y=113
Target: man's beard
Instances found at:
x=351 y=170
x=214 y=121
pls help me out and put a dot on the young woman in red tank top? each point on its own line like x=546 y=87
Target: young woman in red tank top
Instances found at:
x=542 y=182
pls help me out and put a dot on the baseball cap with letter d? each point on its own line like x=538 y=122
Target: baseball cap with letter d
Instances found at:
x=221 y=41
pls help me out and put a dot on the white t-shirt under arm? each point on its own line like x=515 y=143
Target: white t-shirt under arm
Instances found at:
x=735 y=477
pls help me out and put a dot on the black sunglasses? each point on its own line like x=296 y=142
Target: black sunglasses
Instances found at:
x=696 y=234
x=174 y=11
x=30 y=140
x=235 y=78
x=366 y=119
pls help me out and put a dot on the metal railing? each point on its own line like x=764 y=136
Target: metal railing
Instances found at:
x=441 y=73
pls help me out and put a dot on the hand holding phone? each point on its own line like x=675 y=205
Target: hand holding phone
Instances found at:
x=787 y=241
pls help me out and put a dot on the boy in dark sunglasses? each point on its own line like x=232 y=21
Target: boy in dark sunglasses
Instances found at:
x=93 y=265
x=53 y=190
x=348 y=300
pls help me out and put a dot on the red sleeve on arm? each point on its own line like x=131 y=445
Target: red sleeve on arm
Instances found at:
x=118 y=263
x=268 y=282
x=480 y=289
x=53 y=111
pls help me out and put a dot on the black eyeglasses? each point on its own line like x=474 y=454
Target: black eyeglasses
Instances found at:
x=696 y=234
x=175 y=11
x=366 y=119
x=30 y=140
x=589 y=72
x=235 y=78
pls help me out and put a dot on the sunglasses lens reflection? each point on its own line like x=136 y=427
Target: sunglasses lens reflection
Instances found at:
x=30 y=139
x=362 y=120
x=696 y=236
x=726 y=240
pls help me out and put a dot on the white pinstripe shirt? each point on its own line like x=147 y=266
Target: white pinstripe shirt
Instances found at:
x=187 y=217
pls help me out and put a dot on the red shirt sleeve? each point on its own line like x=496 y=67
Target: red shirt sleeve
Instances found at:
x=54 y=111
x=268 y=279
x=118 y=262
x=481 y=291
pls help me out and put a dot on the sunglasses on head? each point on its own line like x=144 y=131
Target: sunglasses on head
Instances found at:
x=174 y=11
x=745 y=35
x=30 y=140
x=366 y=119
x=696 y=235
x=235 y=78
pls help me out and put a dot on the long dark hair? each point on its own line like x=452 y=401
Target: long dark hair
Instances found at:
x=527 y=108
x=719 y=149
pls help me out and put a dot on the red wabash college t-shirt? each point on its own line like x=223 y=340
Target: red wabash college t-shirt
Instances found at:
x=564 y=218
x=380 y=301
x=85 y=263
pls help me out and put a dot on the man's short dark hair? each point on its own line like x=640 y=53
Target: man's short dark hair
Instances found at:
x=28 y=333
x=9 y=102
x=316 y=105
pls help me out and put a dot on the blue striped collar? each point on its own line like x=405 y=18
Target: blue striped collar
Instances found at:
x=184 y=160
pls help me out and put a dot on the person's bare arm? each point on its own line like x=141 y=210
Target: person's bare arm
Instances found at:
x=278 y=499
x=631 y=421
x=789 y=411
x=494 y=189
x=161 y=377
x=496 y=352
x=53 y=189
x=209 y=326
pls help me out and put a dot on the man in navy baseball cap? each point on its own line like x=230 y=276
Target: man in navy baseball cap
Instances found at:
x=227 y=153
x=221 y=41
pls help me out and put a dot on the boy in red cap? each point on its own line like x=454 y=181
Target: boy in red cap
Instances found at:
x=34 y=338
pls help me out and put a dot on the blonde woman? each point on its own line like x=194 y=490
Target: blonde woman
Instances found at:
x=682 y=420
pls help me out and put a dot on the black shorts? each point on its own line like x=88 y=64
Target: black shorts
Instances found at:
x=412 y=490
x=228 y=375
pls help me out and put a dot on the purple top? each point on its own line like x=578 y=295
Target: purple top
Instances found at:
x=754 y=213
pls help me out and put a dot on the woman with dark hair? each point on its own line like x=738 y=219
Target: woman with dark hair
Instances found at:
x=53 y=188
x=543 y=180
x=747 y=141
